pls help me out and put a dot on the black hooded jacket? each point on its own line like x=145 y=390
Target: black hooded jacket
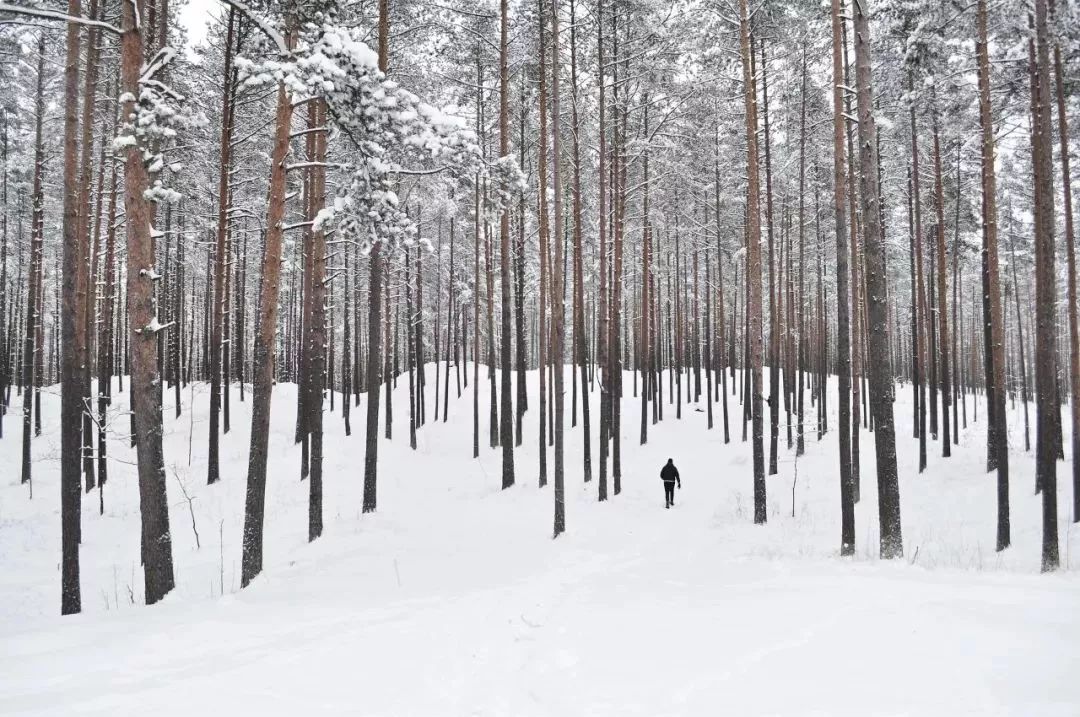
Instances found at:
x=669 y=473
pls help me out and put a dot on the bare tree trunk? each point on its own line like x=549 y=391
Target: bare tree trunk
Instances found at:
x=506 y=431
x=451 y=346
x=581 y=355
x=558 y=309
x=942 y=313
x=720 y=298
x=375 y=348
x=83 y=277
x=37 y=201
x=105 y=340
x=316 y=328
x=263 y=369
x=142 y=313
x=1048 y=411
x=753 y=264
x=519 y=285
x=70 y=359
x=348 y=374
x=843 y=346
x=922 y=315
x=212 y=460
x=855 y=311
x=492 y=360
x=997 y=429
x=881 y=379
x=1070 y=255
x=602 y=355
x=410 y=351
x=774 y=316
x=643 y=333
x=542 y=290
x=619 y=208
x=800 y=442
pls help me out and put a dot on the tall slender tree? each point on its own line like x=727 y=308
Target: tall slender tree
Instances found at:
x=843 y=331
x=753 y=264
x=881 y=376
x=1048 y=411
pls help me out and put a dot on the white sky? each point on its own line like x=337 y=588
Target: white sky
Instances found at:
x=195 y=16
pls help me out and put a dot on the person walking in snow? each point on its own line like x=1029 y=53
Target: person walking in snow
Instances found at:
x=670 y=475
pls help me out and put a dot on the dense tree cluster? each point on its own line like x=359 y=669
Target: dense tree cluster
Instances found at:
x=637 y=191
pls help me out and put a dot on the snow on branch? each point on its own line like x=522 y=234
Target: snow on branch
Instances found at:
x=154 y=118
x=376 y=114
x=265 y=27
x=56 y=15
x=158 y=63
x=391 y=132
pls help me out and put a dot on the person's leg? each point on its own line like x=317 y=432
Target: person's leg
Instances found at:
x=669 y=494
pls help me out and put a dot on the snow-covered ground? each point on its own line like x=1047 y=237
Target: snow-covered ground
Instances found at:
x=453 y=599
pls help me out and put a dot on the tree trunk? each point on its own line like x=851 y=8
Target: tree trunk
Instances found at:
x=316 y=341
x=602 y=354
x=753 y=265
x=558 y=310
x=519 y=286
x=212 y=461
x=375 y=348
x=83 y=278
x=580 y=339
x=1070 y=255
x=843 y=348
x=619 y=209
x=506 y=431
x=774 y=317
x=800 y=442
x=263 y=368
x=643 y=333
x=881 y=379
x=1048 y=411
x=71 y=356
x=37 y=201
x=942 y=307
x=922 y=315
x=145 y=390
x=997 y=428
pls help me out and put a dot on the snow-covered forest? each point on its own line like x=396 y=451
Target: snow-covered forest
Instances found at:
x=342 y=345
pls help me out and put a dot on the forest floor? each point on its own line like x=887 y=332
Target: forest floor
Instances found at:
x=453 y=599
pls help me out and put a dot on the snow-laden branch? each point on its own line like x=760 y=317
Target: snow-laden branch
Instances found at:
x=267 y=29
x=335 y=65
x=56 y=15
x=157 y=63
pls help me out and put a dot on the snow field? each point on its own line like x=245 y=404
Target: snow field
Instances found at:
x=453 y=599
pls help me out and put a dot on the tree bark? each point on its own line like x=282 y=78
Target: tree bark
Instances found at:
x=881 y=378
x=602 y=354
x=922 y=316
x=753 y=265
x=37 y=201
x=843 y=348
x=1070 y=256
x=70 y=351
x=506 y=431
x=542 y=290
x=997 y=429
x=581 y=355
x=212 y=460
x=263 y=354
x=942 y=308
x=142 y=315
x=1048 y=411
x=558 y=310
